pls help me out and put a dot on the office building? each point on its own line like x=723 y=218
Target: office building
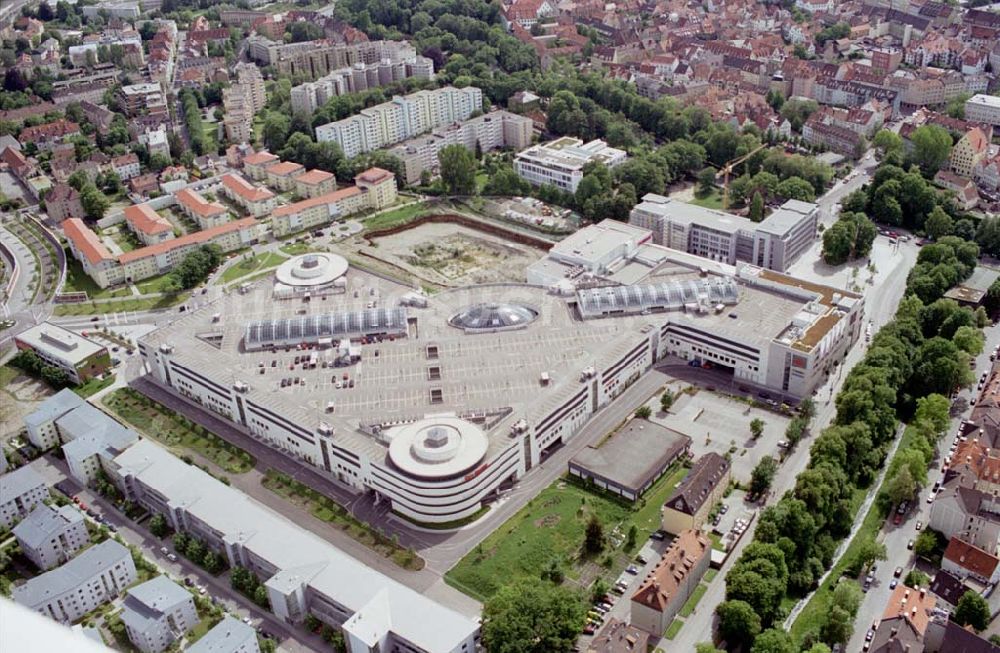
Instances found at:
x=610 y=249
x=983 y=109
x=560 y=162
x=303 y=573
x=50 y=536
x=401 y=118
x=495 y=130
x=81 y=359
x=91 y=579
x=157 y=613
x=773 y=244
x=20 y=492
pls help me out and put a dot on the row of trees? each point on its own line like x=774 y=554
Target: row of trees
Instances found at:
x=246 y=582
x=197 y=552
x=192 y=121
x=29 y=362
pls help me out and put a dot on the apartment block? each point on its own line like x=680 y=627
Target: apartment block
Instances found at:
x=91 y=579
x=984 y=109
x=157 y=613
x=689 y=505
x=495 y=130
x=255 y=165
x=50 y=536
x=20 y=492
x=665 y=590
x=774 y=244
x=255 y=200
x=282 y=175
x=238 y=119
x=308 y=97
x=560 y=162
x=62 y=202
x=374 y=189
x=228 y=636
x=148 y=225
x=314 y=183
x=401 y=118
x=248 y=76
x=137 y=99
x=315 y=59
x=207 y=214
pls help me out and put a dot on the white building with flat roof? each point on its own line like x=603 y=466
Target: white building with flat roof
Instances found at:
x=598 y=249
x=984 y=109
x=157 y=613
x=80 y=358
x=20 y=491
x=50 y=536
x=41 y=424
x=228 y=636
x=560 y=162
x=96 y=576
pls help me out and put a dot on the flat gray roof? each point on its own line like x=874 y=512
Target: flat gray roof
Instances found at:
x=44 y=522
x=227 y=636
x=60 y=580
x=688 y=214
x=60 y=342
x=18 y=482
x=634 y=454
x=786 y=217
x=55 y=406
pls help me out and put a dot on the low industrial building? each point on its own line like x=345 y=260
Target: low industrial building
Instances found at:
x=157 y=613
x=21 y=491
x=303 y=573
x=50 y=536
x=228 y=636
x=689 y=505
x=610 y=250
x=667 y=587
x=632 y=459
x=80 y=358
x=560 y=163
x=91 y=579
x=773 y=244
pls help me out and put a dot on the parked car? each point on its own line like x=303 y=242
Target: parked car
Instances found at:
x=898 y=572
x=920 y=525
x=909 y=545
x=632 y=569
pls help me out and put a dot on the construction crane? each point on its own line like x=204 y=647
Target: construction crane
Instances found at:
x=728 y=168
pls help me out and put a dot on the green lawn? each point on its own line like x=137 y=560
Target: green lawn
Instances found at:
x=674 y=628
x=138 y=304
x=253 y=264
x=93 y=386
x=647 y=517
x=154 y=284
x=295 y=249
x=713 y=201
x=688 y=608
x=398 y=216
x=176 y=432
x=78 y=281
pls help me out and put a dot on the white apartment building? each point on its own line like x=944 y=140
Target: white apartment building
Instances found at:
x=228 y=636
x=401 y=118
x=50 y=536
x=497 y=129
x=361 y=76
x=20 y=491
x=248 y=76
x=157 y=613
x=96 y=576
x=238 y=121
x=41 y=424
x=560 y=162
x=983 y=108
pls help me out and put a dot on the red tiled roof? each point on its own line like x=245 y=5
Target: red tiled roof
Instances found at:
x=245 y=189
x=85 y=241
x=257 y=158
x=192 y=200
x=971 y=558
x=48 y=130
x=915 y=605
x=190 y=239
x=142 y=217
x=674 y=569
x=312 y=176
x=373 y=176
x=284 y=168
x=328 y=198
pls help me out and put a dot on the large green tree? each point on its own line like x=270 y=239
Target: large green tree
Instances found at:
x=532 y=616
x=458 y=169
x=762 y=475
x=972 y=610
x=737 y=621
x=931 y=148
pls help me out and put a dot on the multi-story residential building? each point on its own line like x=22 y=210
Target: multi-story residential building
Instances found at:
x=238 y=120
x=374 y=189
x=207 y=215
x=79 y=357
x=968 y=152
x=401 y=118
x=96 y=576
x=314 y=59
x=667 y=587
x=303 y=574
x=50 y=536
x=968 y=514
x=836 y=138
x=314 y=183
x=689 y=505
x=256 y=164
x=498 y=129
x=62 y=202
x=148 y=225
x=987 y=174
x=255 y=200
x=963 y=560
x=20 y=491
x=156 y=141
x=157 y=613
x=774 y=244
x=281 y=175
x=308 y=97
x=248 y=76
x=152 y=260
x=147 y=97
x=228 y=636
x=41 y=424
x=126 y=166
x=560 y=162
x=983 y=109
x=906 y=620
x=47 y=136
